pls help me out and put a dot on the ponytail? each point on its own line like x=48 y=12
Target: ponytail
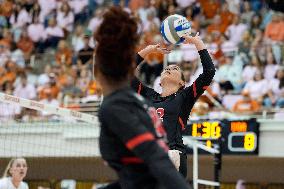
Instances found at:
x=7 y=170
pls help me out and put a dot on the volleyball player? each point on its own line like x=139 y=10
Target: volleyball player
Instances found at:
x=131 y=132
x=175 y=102
x=14 y=174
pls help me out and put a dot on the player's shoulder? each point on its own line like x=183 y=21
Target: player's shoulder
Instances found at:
x=24 y=185
x=3 y=182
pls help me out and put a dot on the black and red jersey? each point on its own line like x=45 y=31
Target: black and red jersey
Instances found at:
x=131 y=143
x=174 y=110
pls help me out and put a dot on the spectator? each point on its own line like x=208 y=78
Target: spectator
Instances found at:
x=84 y=80
x=236 y=30
x=50 y=86
x=77 y=40
x=35 y=11
x=17 y=56
x=226 y=16
x=94 y=92
x=185 y=3
x=258 y=46
x=95 y=21
x=171 y=10
x=85 y=55
x=234 y=6
x=228 y=75
x=210 y=8
x=7 y=39
x=63 y=54
x=36 y=33
x=80 y=9
x=8 y=74
x=24 y=89
x=255 y=23
x=65 y=18
x=44 y=77
x=162 y=9
x=53 y=33
x=144 y=10
x=70 y=92
x=4 y=53
x=246 y=105
x=216 y=27
x=271 y=67
x=257 y=88
x=245 y=43
x=275 y=29
x=151 y=19
x=247 y=13
x=20 y=17
x=6 y=7
x=49 y=100
x=276 y=91
x=46 y=6
x=250 y=70
x=3 y=20
x=26 y=45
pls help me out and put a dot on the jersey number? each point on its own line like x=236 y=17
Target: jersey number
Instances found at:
x=161 y=113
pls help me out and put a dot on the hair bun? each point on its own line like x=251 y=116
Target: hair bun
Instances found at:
x=116 y=42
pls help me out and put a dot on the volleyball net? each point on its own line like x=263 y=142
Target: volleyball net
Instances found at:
x=33 y=129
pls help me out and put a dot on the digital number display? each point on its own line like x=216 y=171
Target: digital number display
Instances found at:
x=206 y=130
x=235 y=137
x=242 y=142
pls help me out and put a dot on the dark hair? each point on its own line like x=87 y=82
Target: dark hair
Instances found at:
x=117 y=39
x=281 y=84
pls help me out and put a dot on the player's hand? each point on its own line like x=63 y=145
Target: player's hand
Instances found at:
x=196 y=40
x=192 y=39
x=158 y=48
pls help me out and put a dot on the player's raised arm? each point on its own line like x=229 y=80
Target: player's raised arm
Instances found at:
x=193 y=92
x=136 y=84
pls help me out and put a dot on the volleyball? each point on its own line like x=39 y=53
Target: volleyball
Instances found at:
x=174 y=27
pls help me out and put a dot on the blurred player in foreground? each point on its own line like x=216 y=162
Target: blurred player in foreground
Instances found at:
x=131 y=132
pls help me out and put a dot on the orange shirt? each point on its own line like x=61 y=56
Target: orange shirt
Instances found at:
x=94 y=88
x=243 y=106
x=134 y=5
x=8 y=77
x=216 y=28
x=62 y=80
x=54 y=92
x=210 y=8
x=26 y=45
x=227 y=18
x=64 y=56
x=275 y=31
x=5 y=43
x=6 y=8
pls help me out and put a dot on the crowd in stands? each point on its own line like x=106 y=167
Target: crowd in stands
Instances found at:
x=244 y=37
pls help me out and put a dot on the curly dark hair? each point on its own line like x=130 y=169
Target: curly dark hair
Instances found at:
x=117 y=38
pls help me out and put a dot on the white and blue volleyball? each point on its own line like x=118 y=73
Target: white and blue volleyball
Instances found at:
x=174 y=27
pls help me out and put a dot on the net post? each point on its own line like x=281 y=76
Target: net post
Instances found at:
x=217 y=164
x=195 y=165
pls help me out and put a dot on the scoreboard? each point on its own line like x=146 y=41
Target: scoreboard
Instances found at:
x=233 y=136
